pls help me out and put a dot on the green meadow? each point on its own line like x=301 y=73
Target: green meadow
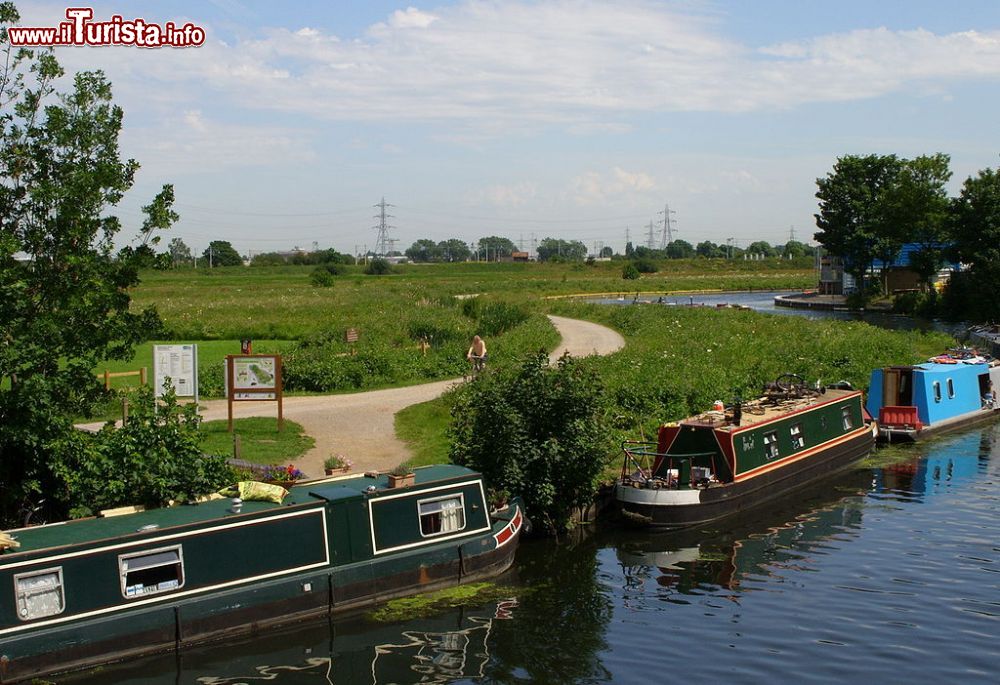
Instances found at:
x=677 y=360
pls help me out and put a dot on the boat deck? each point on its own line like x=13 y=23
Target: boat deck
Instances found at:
x=764 y=409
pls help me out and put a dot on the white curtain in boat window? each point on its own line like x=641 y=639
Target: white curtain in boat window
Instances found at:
x=39 y=594
x=442 y=516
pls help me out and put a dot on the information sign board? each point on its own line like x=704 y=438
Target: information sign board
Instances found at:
x=179 y=363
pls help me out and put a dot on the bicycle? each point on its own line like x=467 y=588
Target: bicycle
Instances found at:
x=478 y=365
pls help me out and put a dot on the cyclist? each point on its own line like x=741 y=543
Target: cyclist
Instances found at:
x=477 y=354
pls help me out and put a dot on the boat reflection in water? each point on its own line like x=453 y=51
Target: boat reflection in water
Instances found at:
x=762 y=543
x=453 y=644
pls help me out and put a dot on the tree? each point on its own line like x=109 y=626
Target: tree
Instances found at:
x=493 y=247
x=454 y=250
x=629 y=249
x=794 y=249
x=761 y=247
x=423 y=250
x=680 y=249
x=709 y=249
x=65 y=306
x=538 y=431
x=855 y=218
x=920 y=204
x=378 y=267
x=221 y=253
x=552 y=249
x=606 y=252
x=975 y=229
x=179 y=252
x=630 y=272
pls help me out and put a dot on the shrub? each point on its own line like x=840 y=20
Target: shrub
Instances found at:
x=321 y=277
x=537 y=431
x=378 y=267
x=646 y=266
x=630 y=272
x=152 y=459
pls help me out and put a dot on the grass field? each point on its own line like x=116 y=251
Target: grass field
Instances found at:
x=677 y=361
x=280 y=309
x=260 y=441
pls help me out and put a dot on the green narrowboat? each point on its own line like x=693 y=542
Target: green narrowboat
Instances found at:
x=729 y=459
x=82 y=593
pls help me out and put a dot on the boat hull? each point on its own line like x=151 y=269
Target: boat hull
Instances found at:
x=674 y=509
x=244 y=611
x=910 y=434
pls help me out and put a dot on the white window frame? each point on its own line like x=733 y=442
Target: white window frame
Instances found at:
x=20 y=595
x=460 y=496
x=123 y=573
x=771 y=450
x=847 y=421
x=798 y=440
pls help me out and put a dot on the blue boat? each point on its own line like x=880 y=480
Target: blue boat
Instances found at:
x=946 y=392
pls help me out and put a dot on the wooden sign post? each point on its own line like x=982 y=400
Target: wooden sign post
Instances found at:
x=254 y=378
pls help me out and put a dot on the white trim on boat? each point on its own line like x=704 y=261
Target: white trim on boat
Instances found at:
x=665 y=497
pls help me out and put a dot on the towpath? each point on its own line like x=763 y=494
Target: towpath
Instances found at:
x=360 y=425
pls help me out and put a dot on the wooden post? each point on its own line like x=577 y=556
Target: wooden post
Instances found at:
x=237 y=446
x=229 y=386
x=107 y=379
x=279 y=385
x=124 y=410
x=142 y=376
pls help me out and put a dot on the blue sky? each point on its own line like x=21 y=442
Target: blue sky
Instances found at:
x=574 y=120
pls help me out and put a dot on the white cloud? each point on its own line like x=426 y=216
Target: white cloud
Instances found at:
x=631 y=188
x=411 y=18
x=191 y=141
x=515 y=195
x=586 y=66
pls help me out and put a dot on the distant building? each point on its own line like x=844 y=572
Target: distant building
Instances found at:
x=834 y=279
x=519 y=257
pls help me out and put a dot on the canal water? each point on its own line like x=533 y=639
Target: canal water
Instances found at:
x=889 y=573
x=763 y=301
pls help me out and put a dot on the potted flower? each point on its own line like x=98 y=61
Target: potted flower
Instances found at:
x=401 y=475
x=335 y=463
x=281 y=475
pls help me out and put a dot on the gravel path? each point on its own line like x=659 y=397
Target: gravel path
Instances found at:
x=360 y=426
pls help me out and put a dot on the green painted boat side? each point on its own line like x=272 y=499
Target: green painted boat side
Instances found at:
x=317 y=552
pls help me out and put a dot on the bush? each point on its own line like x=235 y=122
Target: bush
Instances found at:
x=152 y=459
x=378 y=267
x=630 y=272
x=537 y=431
x=646 y=266
x=321 y=277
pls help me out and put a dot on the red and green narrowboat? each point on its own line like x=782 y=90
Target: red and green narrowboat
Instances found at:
x=87 y=592
x=732 y=458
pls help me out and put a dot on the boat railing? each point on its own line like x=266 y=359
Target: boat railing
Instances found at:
x=640 y=458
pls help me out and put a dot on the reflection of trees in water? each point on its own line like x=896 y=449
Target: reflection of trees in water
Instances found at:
x=765 y=541
x=566 y=603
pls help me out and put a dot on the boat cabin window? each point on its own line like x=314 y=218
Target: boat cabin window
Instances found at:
x=771 y=444
x=937 y=391
x=798 y=441
x=148 y=573
x=39 y=594
x=845 y=414
x=442 y=515
x=951 y=389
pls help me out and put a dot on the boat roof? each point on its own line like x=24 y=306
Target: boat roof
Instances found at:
x=935 y=367
x=769 y=410
x=113 y=527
